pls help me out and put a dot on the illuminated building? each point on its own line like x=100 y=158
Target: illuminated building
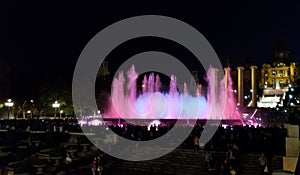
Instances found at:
x=279 y=76
x=277 y=79
x=104 y=71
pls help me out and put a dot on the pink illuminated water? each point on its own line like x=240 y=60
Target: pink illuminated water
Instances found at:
x=218 y=103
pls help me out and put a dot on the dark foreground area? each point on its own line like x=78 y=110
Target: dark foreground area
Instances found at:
x=59 y=147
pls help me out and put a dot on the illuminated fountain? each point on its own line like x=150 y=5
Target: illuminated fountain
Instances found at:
x=151 y=103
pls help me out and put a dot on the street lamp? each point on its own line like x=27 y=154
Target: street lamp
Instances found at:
x=60 y=112
x=55 y=105
x=29 y=113
x=99 y=113
x=9 y=104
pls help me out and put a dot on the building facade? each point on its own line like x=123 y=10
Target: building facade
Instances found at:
x=278 y=79
x=279 y=76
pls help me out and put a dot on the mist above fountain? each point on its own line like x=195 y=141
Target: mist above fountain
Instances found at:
x=217 y=103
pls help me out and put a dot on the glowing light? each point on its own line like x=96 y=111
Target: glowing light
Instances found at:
x=82 y=122
x=9 y=103
x=224 y=126
x=154 y=123
x=95 y=122
x=120 y=125
x=55 y=104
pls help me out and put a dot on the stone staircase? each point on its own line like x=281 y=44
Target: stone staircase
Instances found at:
x=250 y=165
x=176 y=162
x=277 y=163
x=185 y=162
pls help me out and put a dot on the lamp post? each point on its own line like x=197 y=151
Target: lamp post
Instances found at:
x=9 y=104
x=55 y=105
x=60 y=113
x=29 y=113
x=31 y=108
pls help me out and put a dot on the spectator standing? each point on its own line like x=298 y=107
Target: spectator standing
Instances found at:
x=99 y=165
x=94 y=166
x=225 y=168
x=263 y=163
x=196 y=143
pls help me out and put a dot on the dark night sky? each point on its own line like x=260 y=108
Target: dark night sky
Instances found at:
x=41 y=41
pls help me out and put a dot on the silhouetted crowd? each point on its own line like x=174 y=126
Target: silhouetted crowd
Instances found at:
x=249 y=139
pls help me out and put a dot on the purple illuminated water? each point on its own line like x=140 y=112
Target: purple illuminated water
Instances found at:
x=217 y=103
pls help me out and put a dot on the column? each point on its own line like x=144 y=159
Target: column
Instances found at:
x=240 y=85
x=226 y=70
x=253 y=86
